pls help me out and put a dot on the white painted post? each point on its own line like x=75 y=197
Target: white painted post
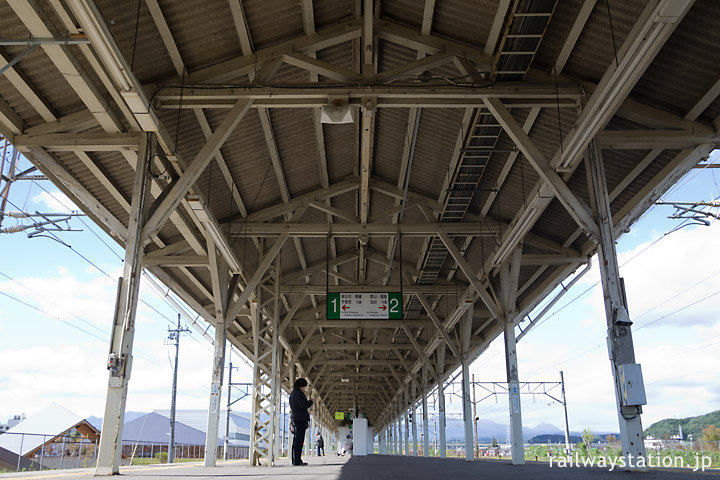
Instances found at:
x=619 y=332
x=211 y=438
x=413 y=410
x=121 y=342
x=426 y=434
x=441 y=399
x=406 y=438
x=467 y=411
x=516 y=431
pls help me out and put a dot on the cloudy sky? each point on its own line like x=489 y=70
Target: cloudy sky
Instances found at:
x=56 y=304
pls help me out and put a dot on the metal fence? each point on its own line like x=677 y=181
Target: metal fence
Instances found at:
x=46 y=451
x=68 y=451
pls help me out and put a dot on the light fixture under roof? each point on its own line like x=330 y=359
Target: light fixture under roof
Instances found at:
x=337 y=111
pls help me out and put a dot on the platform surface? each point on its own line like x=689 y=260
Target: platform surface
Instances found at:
x=373 y=467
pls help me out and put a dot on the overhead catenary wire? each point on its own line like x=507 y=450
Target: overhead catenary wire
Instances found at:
x=72 y=325
x=78 y=253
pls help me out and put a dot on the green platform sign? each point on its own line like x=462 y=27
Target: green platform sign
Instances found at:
x=364 y=306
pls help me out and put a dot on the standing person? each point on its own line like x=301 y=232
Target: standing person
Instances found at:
x=320 y=444
x=300 y=418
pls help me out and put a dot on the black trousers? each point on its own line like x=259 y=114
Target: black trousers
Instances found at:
x=298 y=441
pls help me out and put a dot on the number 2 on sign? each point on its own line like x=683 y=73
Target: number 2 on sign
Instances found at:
x=394 y=304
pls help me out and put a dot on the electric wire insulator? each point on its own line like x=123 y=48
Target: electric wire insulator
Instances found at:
x=16 y=214
x=15 y=229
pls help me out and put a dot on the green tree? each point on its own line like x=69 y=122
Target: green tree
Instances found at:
x=493 y=443
x=711 y=434
x=588 y=436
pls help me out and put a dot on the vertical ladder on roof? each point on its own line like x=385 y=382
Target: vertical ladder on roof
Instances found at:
x=526 y=26
x=524 y=30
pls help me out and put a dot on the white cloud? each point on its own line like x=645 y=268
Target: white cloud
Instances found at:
x=45 y=360
x=54 y=202
x=666 y=285
x=67 y=298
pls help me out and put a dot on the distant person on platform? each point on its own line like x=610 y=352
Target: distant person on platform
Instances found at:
x=320 y=443
x=299 y=419
x=347 y=446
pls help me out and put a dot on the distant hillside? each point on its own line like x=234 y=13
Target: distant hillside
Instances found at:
x=690 y=426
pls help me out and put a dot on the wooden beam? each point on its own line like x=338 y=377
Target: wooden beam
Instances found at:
x=89 y=142
x=166 y=35
x=177 y=261
x=366 y=156
x=321 y=68
x=71 y=69
x=248 y=63
x=222 y=164
x=414 y=68
x=254 y=281
x=349 y=230
x=241 y=27
x=71 y=123
x=496 y=27
x=308 y=16
x=574 y=33
x=27 y=90
x=652 y=139
x=438 y=324
x=495 y=309
x=578 y=210
x=527 y=125
x=705 y=100
x=179 y=189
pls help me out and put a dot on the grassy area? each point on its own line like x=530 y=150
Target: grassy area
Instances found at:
x=606 y=456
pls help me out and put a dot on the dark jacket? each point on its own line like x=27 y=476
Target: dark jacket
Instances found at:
x=299 y=405
x=320 y=442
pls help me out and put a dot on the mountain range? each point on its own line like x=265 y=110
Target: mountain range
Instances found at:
x=455 y=429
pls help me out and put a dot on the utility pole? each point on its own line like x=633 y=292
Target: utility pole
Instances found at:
x=174 y=335
x=564 y=402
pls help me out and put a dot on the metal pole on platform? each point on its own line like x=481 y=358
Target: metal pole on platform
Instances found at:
x=227 y=409
x=211 y=439
x=119 y=361
x=406 y=437
x=516 y=435
x=426 y=437
x=509 y=274
x=619 y=333
x=475 y=417
x=441 y=398
x=467 y=412
x=413 y=411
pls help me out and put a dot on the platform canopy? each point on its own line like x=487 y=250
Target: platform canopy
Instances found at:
x=463 y=154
